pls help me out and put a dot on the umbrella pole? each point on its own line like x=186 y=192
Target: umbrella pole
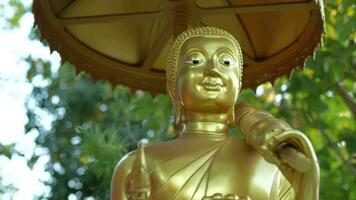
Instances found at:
x=180 y=17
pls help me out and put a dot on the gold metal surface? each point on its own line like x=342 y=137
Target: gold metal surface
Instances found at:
x=275 y=162
x=126 y=42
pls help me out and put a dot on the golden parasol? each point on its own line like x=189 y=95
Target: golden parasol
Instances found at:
x=126 y=41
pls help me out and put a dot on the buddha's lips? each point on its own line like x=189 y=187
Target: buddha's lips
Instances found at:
x=212 y=83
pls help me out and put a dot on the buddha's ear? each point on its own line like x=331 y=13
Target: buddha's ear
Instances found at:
x=231 y=120
x=231 y=117
x=177 y=109
x=178 y=121
x=170 y=91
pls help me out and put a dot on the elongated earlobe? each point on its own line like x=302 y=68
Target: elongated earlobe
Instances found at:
x=177 y=124
x=231 y=116
x=178 y=111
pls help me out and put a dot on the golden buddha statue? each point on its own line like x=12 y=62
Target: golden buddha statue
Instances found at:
x=274 y=162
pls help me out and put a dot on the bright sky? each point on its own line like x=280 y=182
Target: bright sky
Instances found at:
x=14 y=46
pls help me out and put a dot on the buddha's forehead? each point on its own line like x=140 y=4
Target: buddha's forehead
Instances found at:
x=208 y=44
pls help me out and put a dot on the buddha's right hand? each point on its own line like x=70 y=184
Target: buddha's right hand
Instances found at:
x=139 y=194
x=139 y=185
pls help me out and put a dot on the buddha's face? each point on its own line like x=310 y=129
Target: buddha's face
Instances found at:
x=207 y=75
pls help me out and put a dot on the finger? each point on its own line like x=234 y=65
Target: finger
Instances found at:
x=270 y=155
x=294 y=159
x=285 y=138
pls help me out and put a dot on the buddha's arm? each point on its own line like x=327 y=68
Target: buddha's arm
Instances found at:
x=119 y=180
x=279 y=144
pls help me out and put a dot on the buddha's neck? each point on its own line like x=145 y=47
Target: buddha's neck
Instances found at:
x=205 y=123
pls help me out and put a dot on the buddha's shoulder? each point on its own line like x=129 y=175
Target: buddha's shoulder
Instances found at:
x=233 y=149
x=149 y=151
x=196 y=146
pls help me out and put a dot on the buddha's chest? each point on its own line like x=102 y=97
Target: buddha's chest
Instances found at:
x=212 y=173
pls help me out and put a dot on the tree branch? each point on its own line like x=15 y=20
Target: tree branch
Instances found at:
x=346 y=98
x=332 y=144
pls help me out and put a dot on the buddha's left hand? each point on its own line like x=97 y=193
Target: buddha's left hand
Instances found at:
x=274 y=139
x=282 y=147
x=280 y=144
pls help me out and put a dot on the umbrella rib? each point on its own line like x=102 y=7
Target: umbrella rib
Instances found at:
x=64 y=8
x=249 y=60
x=157 y=49
x=256 y=8
x=122 y=17
x=244 y=28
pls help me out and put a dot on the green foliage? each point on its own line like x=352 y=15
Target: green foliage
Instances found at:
x=7 y=150
x=94 y=126
x=12 y=11
x=7 y=190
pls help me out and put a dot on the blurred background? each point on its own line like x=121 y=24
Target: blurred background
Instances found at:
x=61 y=134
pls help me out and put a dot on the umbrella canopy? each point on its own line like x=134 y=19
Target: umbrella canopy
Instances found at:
x=126 y=42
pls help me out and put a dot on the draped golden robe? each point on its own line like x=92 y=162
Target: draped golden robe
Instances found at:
x=198 y=165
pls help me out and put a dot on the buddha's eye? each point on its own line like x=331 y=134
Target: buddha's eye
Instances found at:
x=226 y=63
x=194 y=58
x=194 y=61
x=226 y=60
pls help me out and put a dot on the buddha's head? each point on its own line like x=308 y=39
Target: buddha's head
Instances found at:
x=204 y=72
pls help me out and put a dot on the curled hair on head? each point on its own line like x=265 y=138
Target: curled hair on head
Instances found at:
x=172 y=59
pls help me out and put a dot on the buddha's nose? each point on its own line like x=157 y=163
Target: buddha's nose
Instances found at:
x=212 y=70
